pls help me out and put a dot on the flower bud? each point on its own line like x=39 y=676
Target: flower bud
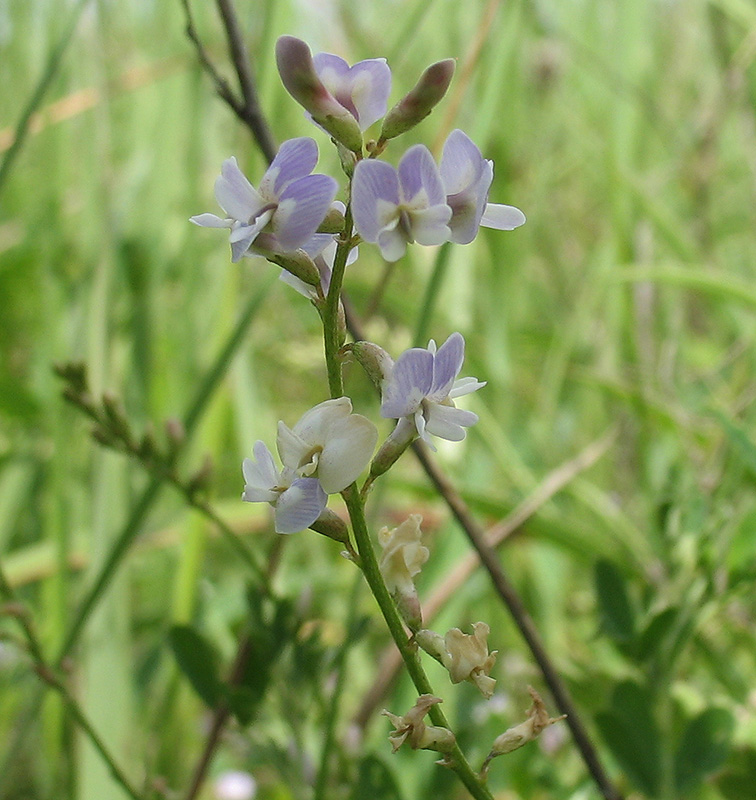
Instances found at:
x=412 y=729
x=298 y=75
x=517 y=736
x=376 y=362
x=331 y=525
x=420 y=101
x=403 y=557
x=396 y=443
x=333 y=222
x=298 y=264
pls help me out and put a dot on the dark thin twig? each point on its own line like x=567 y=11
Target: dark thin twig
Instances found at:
x=251 y=113
x=522 y=619
x=247 y=106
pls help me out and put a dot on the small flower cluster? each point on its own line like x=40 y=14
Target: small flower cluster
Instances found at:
x=293 y=219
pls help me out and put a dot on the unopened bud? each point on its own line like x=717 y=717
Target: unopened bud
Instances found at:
x=420 y=101
x=200 y=481
x=331 y=525
x=298 y=75
x=376 y=362
x=298 y=264
x=175 y=433
x=396 y=443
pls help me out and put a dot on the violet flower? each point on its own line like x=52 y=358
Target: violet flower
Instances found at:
x=297 y=502
x=422 y=388
x=467 y=177
x=362 y=89
x=289 y=204
x=395 y=207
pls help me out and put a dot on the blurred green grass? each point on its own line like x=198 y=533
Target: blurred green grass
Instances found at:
x=624 y=131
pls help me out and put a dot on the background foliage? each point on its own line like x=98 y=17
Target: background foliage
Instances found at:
x=626 y=133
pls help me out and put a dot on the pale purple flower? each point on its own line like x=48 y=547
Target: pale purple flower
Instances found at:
x=328 y=442
x=395 y=207
x=297 y=502
x=467 y=178
x=362 y=89
x=289 y=204
x=422 y=388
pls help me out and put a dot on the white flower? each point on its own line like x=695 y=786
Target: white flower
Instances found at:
x=235 y=785
x=298 y=502
x=403 y=554
x=328 y=443
x=412 y=729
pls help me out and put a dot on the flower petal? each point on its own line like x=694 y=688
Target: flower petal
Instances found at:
x=448 y=422
x=503 y=218
x=302 y=207
x=429 y=225
x=446 y=366
x=295 y=159
x=300 y=505
x=410 y=381
x=211 y=221
x=292 y=450
x=392 y=242
x=373 y=181
x=371 y=86
x=260 y=476
x=464 y=386
x=417 y=172
x=235 y=194
x=350 y=446
x=315 y=424
x=461 y=163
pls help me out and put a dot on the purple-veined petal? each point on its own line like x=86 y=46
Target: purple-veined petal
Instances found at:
x=465 y=386
x=461 y=163
x=410 y=381
x=333 y=71
x=300 y=505
x=465 y=219
x=419 y=420
x=211 y=221
x=373 y=181
x=429 y=225
x=292 y=450
x=350 y=446
x=417 y=173
x=302 y=207
x=446 y=366
x=235 y=194
x=448 y=422
x=242 y=236
x=503 y=218
x=295 y=159
x=371 y=86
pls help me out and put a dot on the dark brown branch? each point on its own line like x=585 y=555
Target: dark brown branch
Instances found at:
x=247 y=107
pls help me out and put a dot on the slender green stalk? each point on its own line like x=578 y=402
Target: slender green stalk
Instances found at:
x=331 y=328
x=408 y=650
x=321 y=782
x=49 y=677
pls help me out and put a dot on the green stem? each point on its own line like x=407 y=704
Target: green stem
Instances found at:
x=331 y=329
x=408 y=650
x=47 y=675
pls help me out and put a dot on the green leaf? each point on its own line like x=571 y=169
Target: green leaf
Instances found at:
x=658 y=629
x=703 y=747
x=630 y=731
x=198 y=660
x=375 y=780
x=617 y=616
x=243 y=702
x=741 y=443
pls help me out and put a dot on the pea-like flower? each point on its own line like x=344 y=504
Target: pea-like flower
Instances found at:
x=362 y=89
x=422 y=387
x=467 y=178
x=465 y=656
x=402 y=559
x=330 y=443
x=395 y=207
x=289 y=204
x=297 y=501
x=411 y=728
